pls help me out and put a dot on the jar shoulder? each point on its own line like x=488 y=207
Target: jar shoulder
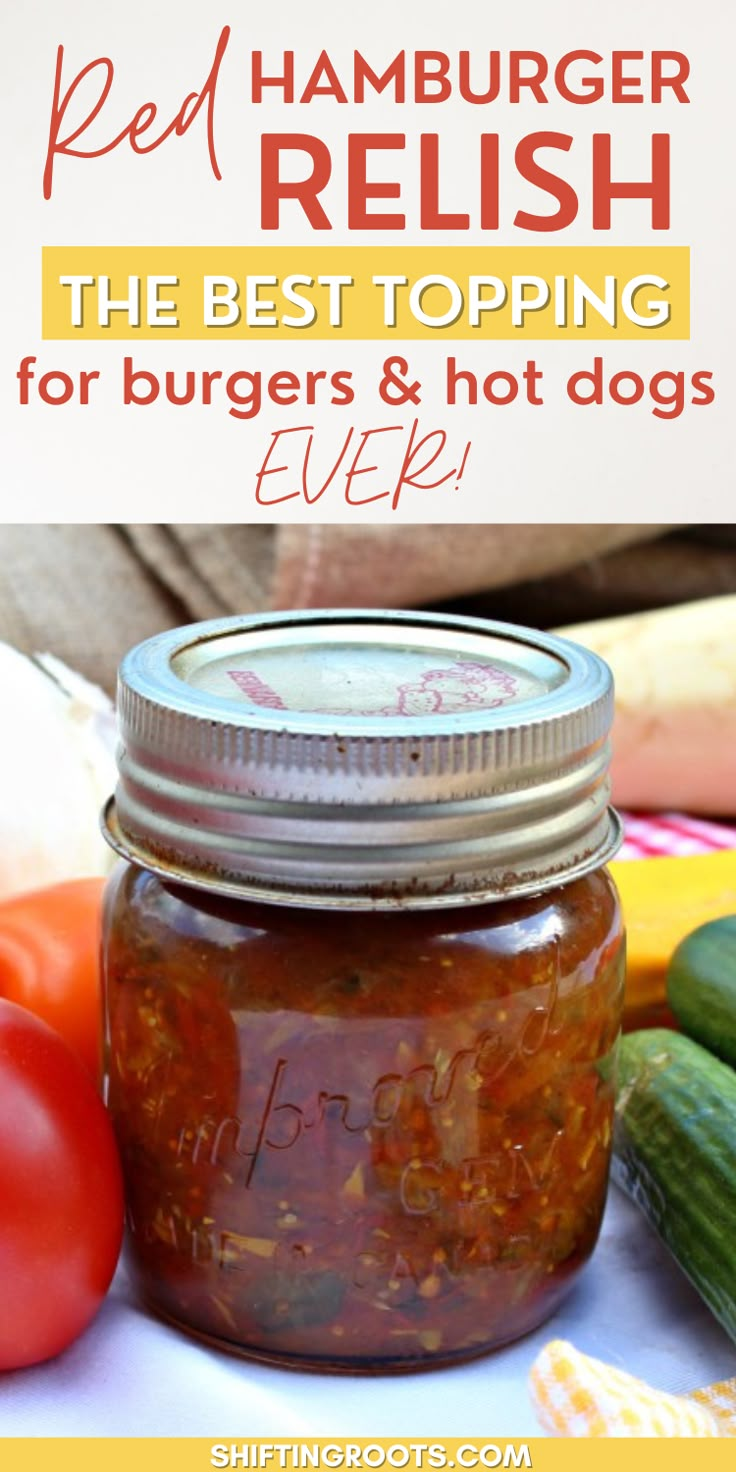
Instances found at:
x=357 y=960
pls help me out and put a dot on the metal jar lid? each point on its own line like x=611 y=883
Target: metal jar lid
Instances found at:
x=363 y=759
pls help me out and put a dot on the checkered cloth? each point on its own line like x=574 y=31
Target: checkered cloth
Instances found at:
x=576 y=1395
x=572 y=1393
x=672 y=835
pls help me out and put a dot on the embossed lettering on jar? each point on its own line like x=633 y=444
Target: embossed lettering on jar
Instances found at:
x=363 y=977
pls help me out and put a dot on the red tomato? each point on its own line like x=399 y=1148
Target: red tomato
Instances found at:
x=49 y=960
x=61 y=1196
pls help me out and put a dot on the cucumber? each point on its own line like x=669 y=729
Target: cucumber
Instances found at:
x=701 y=986
x=675 y=1154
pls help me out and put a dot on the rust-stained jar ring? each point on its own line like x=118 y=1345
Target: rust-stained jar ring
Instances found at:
x=362 y=976
x=364 y=759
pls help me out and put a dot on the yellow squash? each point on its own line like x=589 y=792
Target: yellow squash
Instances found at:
x=663 y=901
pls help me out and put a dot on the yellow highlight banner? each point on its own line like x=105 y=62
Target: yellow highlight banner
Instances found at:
x=196 y=1454
x=285 y=293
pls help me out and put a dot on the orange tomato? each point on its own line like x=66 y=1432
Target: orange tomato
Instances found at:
x=49 y=961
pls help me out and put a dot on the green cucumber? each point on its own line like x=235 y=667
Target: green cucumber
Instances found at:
x=675 y=1154
x=701 y=986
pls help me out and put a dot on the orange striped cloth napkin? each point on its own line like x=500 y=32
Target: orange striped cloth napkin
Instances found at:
x=576 y=1395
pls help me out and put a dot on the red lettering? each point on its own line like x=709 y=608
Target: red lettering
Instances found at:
x=622 y=396
x=58 y=109
x=141 y=121
x=704 y=388
x=534 y=82
x=657 y=189
x=409 y=477
x=285 y=82
x=619 y=83
x=670 y=405
x=395 y=73
x=432 y=217
x=192 y=106
x=506 y=393
x=343 y=392
x=249 y=401
x=187 y=395
x=463 y=463
x=312 y=380
x=208 y=378
x=24 y=375
x=532 y=375
x=360 y=191
x=561 y=191
x=85 y=379
x=305 y=469
x=283 y=388
x=676 y=81
x=331 y=87
x=593 y=85
x=575 y=385
x=355 y=469
x=494 y=78
x=132 y=378
x=431 y=81
x=274 y=189
x=268 y=469
x=62 y=397
x=489 y=181
x=454 y=376
x=489 y=187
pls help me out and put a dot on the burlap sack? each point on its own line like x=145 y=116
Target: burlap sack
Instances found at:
x=680 y=568
x=87 y=592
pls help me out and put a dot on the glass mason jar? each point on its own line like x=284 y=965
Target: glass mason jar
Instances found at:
x=363 y=981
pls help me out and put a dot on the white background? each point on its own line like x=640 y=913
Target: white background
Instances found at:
x=559 y=462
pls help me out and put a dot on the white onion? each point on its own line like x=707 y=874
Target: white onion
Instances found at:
x=57 y=742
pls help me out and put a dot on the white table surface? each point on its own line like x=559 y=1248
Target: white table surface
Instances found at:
x=131 y=1376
